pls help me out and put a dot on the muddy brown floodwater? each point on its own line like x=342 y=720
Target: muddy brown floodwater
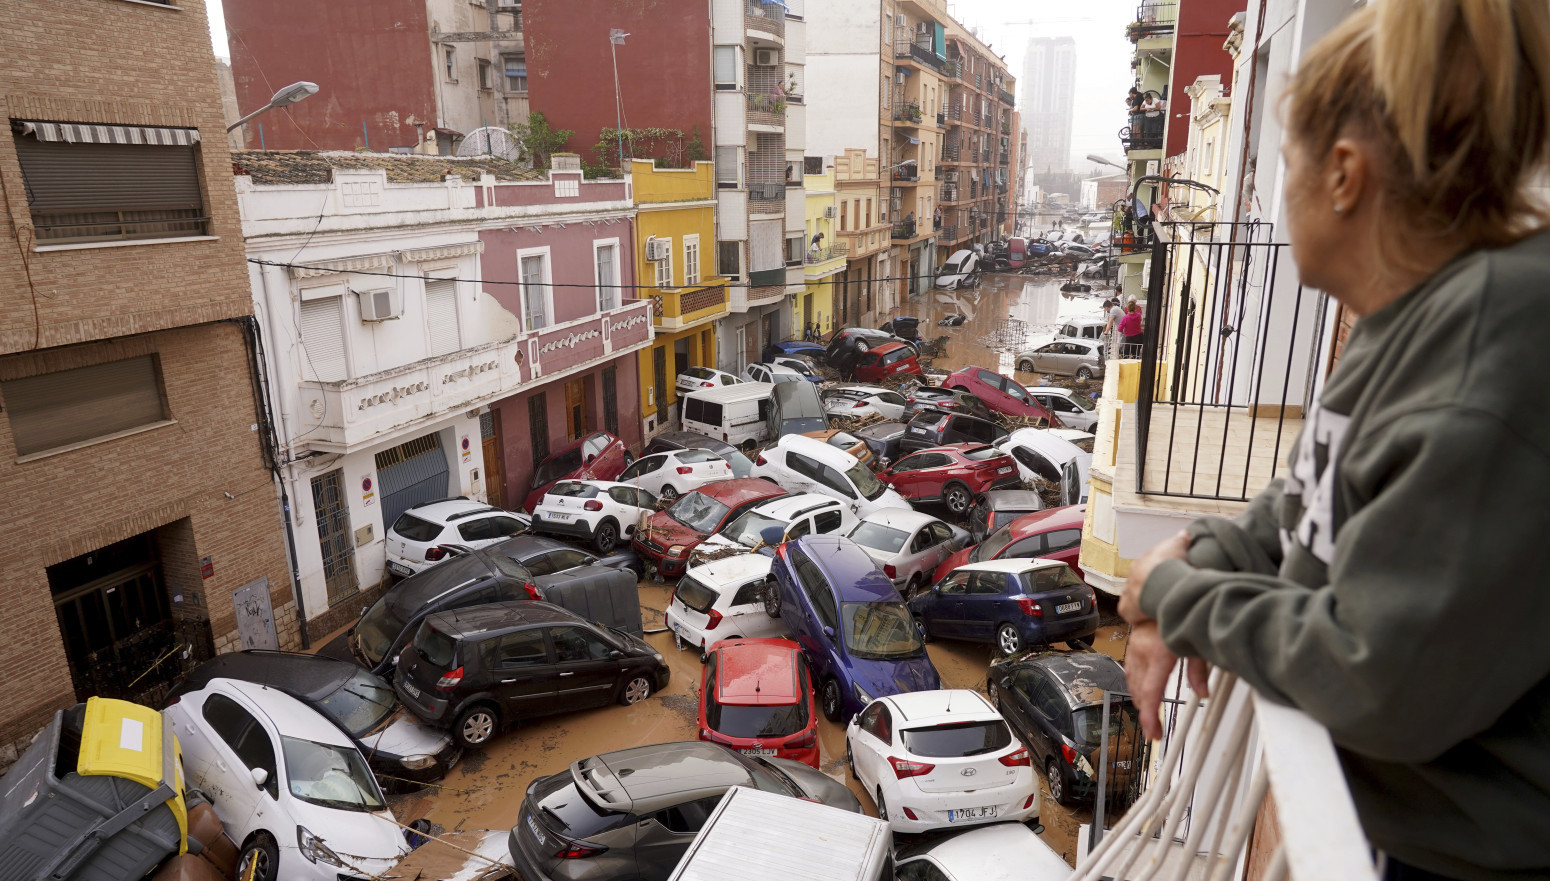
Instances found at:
x=485 y=790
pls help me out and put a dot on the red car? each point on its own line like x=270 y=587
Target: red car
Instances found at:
x=957 y=474
x=670 y=536
x=999 y=393
x=1054 y=533
x=886 y=360
x=598 y=456
x=757 y=698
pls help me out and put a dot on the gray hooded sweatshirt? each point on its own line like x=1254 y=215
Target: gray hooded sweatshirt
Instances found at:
x=1395 y=584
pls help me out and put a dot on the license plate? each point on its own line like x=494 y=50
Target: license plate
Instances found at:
x=757 y=752
x=538 y=834
x=1004 y=469
x=1063 y=608
x=1124 y=764
x=410 y=687
x=557 y=515
x=400 y=569
x=971 y=814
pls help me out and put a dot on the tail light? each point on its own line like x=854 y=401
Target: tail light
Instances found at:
x=715 y=618
x=806 y=740
x=760 y=460
x=1070 y=754
x=858 y=405
x=891 y=571
x=1018 y=759
x=685 y=469
x=577 y=850
x=903 y=768
x=1029 y=803
x=707 y=385
x=1030 y=608
x=532 y=591
x=434 y=554
x=593 y=505
x=449 y=681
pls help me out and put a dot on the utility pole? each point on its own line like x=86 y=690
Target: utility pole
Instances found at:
x=616 y=38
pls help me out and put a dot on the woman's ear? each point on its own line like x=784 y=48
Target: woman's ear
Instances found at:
x=1348 y=175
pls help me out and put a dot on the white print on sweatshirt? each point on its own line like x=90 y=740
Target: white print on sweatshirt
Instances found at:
x=1315 y=467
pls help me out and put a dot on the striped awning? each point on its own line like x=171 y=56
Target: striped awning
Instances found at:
x=87 y=133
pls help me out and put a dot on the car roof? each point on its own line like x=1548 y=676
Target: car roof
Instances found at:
x=981 y=853
x=962 y=448
x=742 y=490
x=1051 y=390
x=724 y=394
x=659 y=775
x=889 y=428
x=1013 y=500
x=311 y=677
x=788 y=507
x=474 y=620
x=899 y=518
x=1086 y=676
x=942 y=705
x=757 y=672
x=849 y=568
x=860 y=390
x=778 y=369
x=889 y=347
x=736 y=568
x=817 y=449
x=289 y=716
x=1055 y=447
x=1010 y=564
x=518 y=546
x=409 y=595
x=690 y=440
x=448 y=510
x=1035 y=522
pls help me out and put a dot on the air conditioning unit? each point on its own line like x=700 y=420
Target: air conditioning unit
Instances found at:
x=899 y=21
x=508 y=4
x=380 y=305
x=828 y=213
x=766 y=57
x=657 y=249
x=925 y=27
x=898 y=76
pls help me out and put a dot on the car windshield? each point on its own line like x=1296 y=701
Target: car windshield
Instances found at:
x=330 y=776
x=1085 y=444
x=866 y=482
x=799 y=367
x=1083 y=402
x=741 y=465
x=699 y=512
x=992 y=545
x=695 y=594
x=957 y=740
x=1124 y=719
x=748 y=530
x=738 y=720
x=412 y=528
x=377 y=630
x=558 y=467
x=360 y=704
x=435 y=647
x=572 y=489
x=879 y=537
x=880 y=631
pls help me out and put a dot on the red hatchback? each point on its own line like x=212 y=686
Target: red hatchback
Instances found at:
x=756 y=697
x=887 y=359
x=598 y=456
x=957 y=474
x=1054 y=533
x=670 y=536
x=999 y=393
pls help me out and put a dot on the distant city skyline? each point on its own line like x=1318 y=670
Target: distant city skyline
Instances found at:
x=1047 y=101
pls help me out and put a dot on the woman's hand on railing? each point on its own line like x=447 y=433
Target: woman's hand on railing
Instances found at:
x=1148 y=661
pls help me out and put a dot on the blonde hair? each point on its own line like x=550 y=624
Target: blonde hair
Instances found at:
x=1455 y=97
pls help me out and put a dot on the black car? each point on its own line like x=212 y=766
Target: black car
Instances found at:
x=999 y=507
x=904 y=326
x=578 y=580
x=693 y=440
x=397 y=746
x=932 y=398
x=938 y=428
x=477 y=669
x=885 y=440
x=1054 y=701
x=850 y=343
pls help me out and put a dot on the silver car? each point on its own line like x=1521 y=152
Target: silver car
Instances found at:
x=908 y=545
x=1082 y=359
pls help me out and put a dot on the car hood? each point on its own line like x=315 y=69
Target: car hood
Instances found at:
x=358 y=837
x=666 y=531
x=880 y=678
x=889 y=499
x=403 y=737
x=818 y=785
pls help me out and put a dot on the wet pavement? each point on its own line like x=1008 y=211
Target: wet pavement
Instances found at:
x=486 y=789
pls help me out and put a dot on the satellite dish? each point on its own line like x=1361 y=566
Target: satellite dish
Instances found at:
x=492 y=140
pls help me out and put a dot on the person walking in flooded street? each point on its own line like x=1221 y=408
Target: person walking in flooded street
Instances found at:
x=1409 y=526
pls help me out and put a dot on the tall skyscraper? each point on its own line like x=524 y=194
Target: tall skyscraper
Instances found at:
x=1049 y=98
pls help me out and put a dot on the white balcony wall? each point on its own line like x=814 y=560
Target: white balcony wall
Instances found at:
x=796 y=41
x=731 y=119
x=796 y=205
x=732 y=216
x=796 y=130
x=726 y=22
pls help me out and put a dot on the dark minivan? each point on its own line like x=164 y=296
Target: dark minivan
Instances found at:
x=669 y=441
x=939 y=428
x=475 y=670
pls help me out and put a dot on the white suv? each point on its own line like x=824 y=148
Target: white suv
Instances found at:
x=415 y=538
x=794 y=516
x=805 y=464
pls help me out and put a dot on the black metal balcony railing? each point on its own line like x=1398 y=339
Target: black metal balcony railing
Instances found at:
x=916 y=52
x=955 y=114
x=949 y=233
x=941 y=119
x=907 y=173
x=1003 y=158
x=1006 y=97
x=904 y=229
x=1154 y=19
x=908 y=112
x=1229 y=351
x=824 y=255
x=769 y=18
x=950 y=152
x=1145 y=132
x=952 y=69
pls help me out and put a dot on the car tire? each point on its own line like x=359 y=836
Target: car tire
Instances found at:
x=850 y=761
x=475 y=726
x=668 y=494
x=957 y=498
x=635 y=689
x=1058 y=790
x=606 y=537
x=1083 y=374
x=629 y=458
x=882 y=806
x=261 y=848
x=831 y=701
x=1025 y=366
x=1008 y=640
x=771 y=594
x=861 y=347
x=993 y=694
x=920 y=626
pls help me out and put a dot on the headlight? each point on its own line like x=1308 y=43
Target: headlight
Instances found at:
x=861 y=694
x=677 y=550
x=315 y=850
x=418 y=763
x=658 y=656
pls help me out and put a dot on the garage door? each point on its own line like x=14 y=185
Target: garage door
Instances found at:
x=411 y=474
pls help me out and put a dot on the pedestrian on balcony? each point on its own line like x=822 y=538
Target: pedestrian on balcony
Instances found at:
x=1134 y=100
x=817 y=246
x=1130 y=329
x=1391 y=584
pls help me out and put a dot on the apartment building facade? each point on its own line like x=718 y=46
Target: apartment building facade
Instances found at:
x=978 y=148
x=1049 y=102
x=132 y=450
x=432 y=327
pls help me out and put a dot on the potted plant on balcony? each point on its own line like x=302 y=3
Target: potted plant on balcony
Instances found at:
x=912 y=113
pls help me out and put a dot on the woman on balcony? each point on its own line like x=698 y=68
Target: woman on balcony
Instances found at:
x=1392 y=584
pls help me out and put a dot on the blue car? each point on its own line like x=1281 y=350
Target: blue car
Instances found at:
x=794 y=347
x=1013 y=603
x=850 y=621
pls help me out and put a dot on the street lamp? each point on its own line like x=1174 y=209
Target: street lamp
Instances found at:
x=287 y=96
x=1094 y=157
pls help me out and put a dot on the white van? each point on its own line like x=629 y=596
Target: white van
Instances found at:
x=957 y=270
x=754 y=835
x=733 y=413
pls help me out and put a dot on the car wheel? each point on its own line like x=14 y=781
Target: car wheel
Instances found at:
x=1083 y=373
x=920 y=625
x=833 y=706
x=260 y=859
x=882 y=805
x=629 y=458
x=862 y=347
x=635 y=690
x=957 y=498
x=993 y=691
x=771 y=599
x=1008 y=640
x=1057 y=783
x=668 y=494
x=1025 y=366
x=475 y=726
x=850 y=761
x=606 y=537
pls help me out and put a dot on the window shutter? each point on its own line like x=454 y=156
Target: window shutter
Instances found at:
x=441 y=315
x=70 y=406
x=111 y=190
x=322 y=340
x=765 y=240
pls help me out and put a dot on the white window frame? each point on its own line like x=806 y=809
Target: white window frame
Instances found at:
x=616 y=293
x=546 y=295
x=691 y=260
x=721 y=85
x=663 y=278
x=443 y=272
x=486 y=74
x=449 y=62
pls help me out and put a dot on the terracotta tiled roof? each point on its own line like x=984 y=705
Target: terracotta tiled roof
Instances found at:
x=278 y=167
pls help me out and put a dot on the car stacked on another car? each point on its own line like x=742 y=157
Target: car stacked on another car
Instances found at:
x=1074 y=409
x=670 y=536
x=998 y=508
x=933 y=398
x=852 y=401
x=692 y=440
x=756 y=697
x=598 y=456
x=671 y=474
x=907 y=545
x=1001 y=394
x=1055 y=533
x=955 y=474
x=417 y=539
x=808 y=465
x=722 y=599
x=778 y=373
x=696 y=378
x=600 y=512
x=769 y=523
x=1010 y=603
x=938 y=428
x=844 y=440
x=888 y=359
x=1043 y=453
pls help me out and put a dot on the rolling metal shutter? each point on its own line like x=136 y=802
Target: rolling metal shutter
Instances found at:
x=411 y=474
x=441 y=315
x=322 y=340
x=57 y=409
x=111 y=190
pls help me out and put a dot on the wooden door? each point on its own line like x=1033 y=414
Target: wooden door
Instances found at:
x=575 y=409
x=494 y=466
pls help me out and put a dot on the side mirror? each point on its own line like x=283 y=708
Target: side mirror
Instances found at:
x=260 y=777
x=591 y=459
x=828 y=631
x=615 y=655
x=394 y=662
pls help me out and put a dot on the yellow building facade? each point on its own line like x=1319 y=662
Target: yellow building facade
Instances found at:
x=824 y=257
x=675 y=250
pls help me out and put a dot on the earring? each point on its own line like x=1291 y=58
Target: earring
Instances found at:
x=1339 y=208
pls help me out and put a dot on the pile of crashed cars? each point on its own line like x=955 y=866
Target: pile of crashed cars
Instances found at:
x=811 y=570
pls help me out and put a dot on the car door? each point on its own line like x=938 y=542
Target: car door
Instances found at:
x=1032 y=463
x=918 y=554
x=1036 y=729
x=585 y=669
x=484 y=531
x=646 y=472
x=556 y=560
x=990 y=389
x=918 y=477
x=1050 y=711
x=662 y=837
x=939 y=548
x=944 y=610
x=872 y=742
x=805 y=473
x=240 y=746
x=982 y=607
x=520 y=672
x=746 y=613
x=827 y=654
x=629 y=507
x=592 y=449
x=868 y=367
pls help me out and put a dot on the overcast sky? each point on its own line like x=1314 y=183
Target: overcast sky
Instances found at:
x=1103 y=55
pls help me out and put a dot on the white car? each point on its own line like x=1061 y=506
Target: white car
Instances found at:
x=1039 y=452
x=773 y=373
x=1082 y=439
x=908 y=545
x=671 y=474
x=997 y=852
x=602 y=512
x=286 y=783
x=696 y=378
x=940 y=759
x=414 y=541
x=802 y=365
x=805 y=464
x=1074 y=409
x=794 y=516
x=864 y=400
x=720 y=600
